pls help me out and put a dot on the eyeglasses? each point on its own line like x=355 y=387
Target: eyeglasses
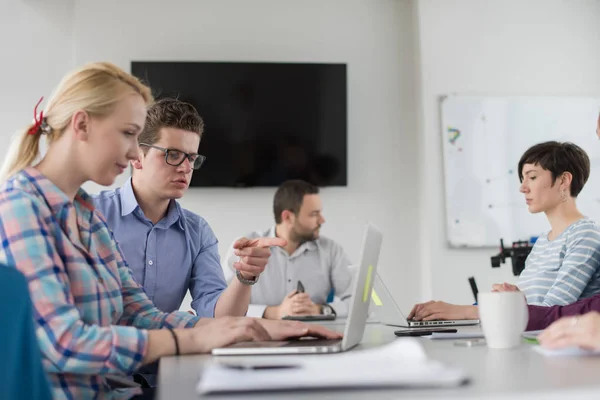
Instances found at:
x=176 y=157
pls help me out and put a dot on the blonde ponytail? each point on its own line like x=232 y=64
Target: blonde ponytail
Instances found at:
x=23 y=151
x=95 y=88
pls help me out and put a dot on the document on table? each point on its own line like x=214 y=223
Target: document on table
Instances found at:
x=457 y=335
x=402 y=363
x=566 y=352
x=472 y=335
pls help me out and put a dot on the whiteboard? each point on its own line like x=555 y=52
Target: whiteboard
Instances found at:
x=483 y=140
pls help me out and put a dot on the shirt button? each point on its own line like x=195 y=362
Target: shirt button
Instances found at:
x=150 y=262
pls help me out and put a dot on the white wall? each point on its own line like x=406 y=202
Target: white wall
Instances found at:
x=35 y=51
x=401 y=56
x=509 y=47
x=375 y=38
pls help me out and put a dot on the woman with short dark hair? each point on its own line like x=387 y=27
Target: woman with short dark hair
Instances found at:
x=564 y=265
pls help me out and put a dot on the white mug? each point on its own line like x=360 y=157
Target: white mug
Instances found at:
x=503 y=317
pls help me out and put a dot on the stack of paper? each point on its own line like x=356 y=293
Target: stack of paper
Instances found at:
x=402 y=363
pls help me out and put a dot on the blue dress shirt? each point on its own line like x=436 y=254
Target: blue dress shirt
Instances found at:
x=179 y=253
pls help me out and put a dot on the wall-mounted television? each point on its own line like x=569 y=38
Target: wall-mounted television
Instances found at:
x=264 y=122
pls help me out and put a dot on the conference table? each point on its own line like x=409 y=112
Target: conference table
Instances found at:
x=493 y=374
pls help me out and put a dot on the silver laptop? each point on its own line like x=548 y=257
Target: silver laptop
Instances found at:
x=387 y=311
x=357 y=314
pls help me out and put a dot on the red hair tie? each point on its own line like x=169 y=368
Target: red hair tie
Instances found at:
x=38 y=120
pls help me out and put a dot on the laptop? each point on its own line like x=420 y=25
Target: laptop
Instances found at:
x=387 y=311
x=355 y=323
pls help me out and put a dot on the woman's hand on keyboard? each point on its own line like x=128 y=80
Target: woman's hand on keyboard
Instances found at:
x=438 y=310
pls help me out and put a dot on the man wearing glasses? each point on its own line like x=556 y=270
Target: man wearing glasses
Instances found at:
x=170 y=249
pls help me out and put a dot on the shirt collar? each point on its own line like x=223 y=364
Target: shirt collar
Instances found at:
x=129 y=204
x=128 y=200
x=310 y=246
x=56 y=198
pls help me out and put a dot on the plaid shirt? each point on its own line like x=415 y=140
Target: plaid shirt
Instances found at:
x=90 y=314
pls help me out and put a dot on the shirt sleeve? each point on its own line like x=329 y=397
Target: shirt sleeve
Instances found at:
x=254 y=310
x=207 y=281
x=67 y=343
x=541 y=317
x=230 y=258
x=579 y=265
x=341 y=279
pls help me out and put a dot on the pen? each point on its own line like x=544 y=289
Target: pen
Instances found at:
x=474 y=288
x=300 y=287
x=247 y=367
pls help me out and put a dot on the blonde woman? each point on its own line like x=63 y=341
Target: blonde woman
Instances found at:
x=92 y=318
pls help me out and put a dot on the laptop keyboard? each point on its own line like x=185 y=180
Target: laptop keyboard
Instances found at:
x=427 y=323
x=282 y=343
x=313 y=342
x=255 y=345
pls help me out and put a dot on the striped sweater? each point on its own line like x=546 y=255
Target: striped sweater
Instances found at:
x=564 y=270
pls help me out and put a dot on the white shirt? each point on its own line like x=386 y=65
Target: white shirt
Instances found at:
x=321 y=265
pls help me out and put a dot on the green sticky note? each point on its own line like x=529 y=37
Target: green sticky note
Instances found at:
x=376 y=298
x=367 y=284
x=531 y=340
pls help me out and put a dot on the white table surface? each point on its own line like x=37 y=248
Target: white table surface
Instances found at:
x=495 y=374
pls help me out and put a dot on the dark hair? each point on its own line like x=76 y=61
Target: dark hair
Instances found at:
x=289 y=196
x=559 y=158
x=170 y=113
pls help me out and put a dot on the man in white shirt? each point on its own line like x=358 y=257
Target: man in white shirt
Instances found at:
x=317 y=262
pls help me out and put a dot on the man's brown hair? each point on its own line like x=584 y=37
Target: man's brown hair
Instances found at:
x=290 y=195
x=170 y=113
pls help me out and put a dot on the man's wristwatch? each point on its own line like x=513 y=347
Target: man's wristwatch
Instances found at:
x=248 y=282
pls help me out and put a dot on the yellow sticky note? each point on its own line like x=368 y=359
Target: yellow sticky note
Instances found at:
x=367 y=284
x=376 y=298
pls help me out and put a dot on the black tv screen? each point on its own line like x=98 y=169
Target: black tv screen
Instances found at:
x=264 y=122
